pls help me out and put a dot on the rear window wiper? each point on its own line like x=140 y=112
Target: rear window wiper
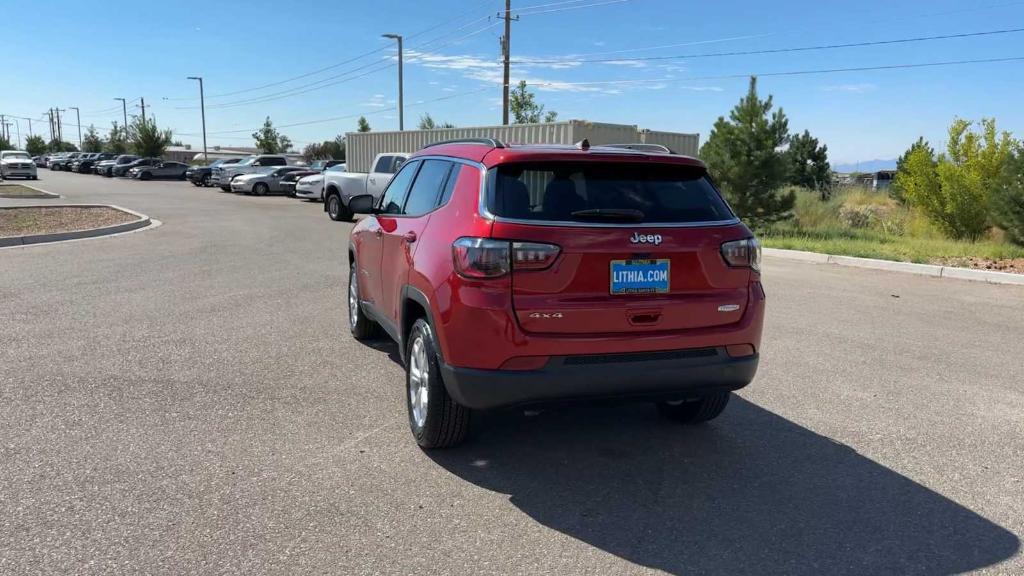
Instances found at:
x=621 y=214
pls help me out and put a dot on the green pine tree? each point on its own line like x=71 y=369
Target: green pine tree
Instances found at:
x=744 y=154
x=808 y=164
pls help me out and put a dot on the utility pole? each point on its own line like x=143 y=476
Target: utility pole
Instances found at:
x=3 y=127
x=78 y=118
x=202 y=108
x=401 y=107
x=124 y=110
x=143 y=105
x=50 y=112
x=60 y=129
x=506 y=50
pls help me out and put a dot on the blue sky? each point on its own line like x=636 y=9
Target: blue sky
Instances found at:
x=85 y=54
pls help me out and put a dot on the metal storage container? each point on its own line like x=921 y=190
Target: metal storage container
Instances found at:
x=686 y=144
x=361 y=147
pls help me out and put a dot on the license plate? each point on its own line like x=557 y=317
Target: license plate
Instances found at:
x=639 y=276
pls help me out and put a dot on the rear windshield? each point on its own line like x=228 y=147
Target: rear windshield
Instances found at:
x=606 y=192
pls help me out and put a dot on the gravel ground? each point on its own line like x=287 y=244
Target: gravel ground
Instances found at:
x=187 y=400
x=1014 y=265
x=25 y=221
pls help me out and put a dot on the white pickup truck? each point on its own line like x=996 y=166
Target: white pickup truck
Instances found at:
x=340 y=187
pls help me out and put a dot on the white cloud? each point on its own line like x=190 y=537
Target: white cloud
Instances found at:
x=627 y=63
x=490 y=71
x=378 y=101
x=852 y=88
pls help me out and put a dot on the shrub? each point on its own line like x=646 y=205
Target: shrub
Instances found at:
x=1008 y=200
x=954 y=190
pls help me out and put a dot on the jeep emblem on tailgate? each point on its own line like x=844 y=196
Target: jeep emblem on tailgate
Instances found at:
x=646 y=239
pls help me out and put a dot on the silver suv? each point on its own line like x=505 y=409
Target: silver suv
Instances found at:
x=222 y=175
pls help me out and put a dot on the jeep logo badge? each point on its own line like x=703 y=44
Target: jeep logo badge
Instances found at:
x=646 y=239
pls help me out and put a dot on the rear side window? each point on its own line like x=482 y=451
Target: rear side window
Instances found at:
x=606 y=192
x=427 y=187
x=449 y=186
x=384 y=165
x=274 y=161
x=394 y=196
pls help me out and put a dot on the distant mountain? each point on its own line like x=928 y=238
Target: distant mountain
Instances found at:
x=866 y=166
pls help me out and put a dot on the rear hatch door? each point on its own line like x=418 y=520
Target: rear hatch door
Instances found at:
x=639 y=247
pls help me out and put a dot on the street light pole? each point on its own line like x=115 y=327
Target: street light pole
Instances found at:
x=78 y=118
x=401 y=107
x=202 y=108
x=124 y=110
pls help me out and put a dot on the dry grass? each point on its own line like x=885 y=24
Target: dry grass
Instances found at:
x=859 y=222
x=26 y=221
x=19 y=191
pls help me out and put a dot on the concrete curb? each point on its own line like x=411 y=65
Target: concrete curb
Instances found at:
x=904 y=267
x=46 y=193
x=142 y=221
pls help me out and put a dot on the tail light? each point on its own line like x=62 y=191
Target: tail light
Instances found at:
x=480 y=258
x=744 y=253
x=484 y=258
x=533 y=255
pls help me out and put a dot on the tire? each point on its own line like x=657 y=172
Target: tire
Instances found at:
x=205 y=180
x=362 y=328
x=336 y=209
x=260 y=189
x=145 y=176
x=436 y=421
x=226 y=188
x=695 y=411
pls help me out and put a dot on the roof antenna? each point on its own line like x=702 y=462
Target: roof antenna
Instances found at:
x=583 y=144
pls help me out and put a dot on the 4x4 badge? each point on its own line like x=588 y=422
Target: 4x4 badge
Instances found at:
x=646 y=238
x=546 y=315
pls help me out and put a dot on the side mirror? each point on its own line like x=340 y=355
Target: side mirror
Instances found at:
x=363 y=204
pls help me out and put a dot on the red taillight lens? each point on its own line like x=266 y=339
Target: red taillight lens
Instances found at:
x=744 y=253
x=484 y=258
x=480 y=258
x=533 y=255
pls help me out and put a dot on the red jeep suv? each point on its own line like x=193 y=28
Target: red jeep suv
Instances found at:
x=515 y=275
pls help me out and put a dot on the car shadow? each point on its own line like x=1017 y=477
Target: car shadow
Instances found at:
x=751 y=493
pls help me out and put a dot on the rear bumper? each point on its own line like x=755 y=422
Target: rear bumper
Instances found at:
x=674 y=374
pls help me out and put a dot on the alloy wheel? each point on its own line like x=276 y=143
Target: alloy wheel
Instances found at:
x=419 y=380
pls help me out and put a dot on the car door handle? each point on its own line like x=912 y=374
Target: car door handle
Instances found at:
x=378 y=232
x=410 y=237
x=373 y=181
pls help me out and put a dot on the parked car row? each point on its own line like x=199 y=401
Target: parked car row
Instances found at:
x=119 y=165
x=259 y=175
x=264 y=174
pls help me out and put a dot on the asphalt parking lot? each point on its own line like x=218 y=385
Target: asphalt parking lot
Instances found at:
x=187 y=399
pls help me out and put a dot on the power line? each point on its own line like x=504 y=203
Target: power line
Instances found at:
x=776 y=50
x=789 y=73
x=348 y=116
x=326 y=68
x=383 y=64
x=607 y=2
